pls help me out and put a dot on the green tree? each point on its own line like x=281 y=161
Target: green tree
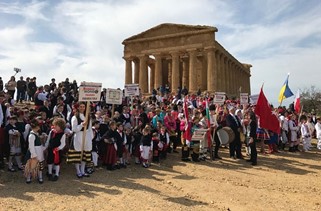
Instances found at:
x=311 y=100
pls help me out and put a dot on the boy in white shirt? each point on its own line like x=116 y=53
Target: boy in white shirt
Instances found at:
x=318 y=132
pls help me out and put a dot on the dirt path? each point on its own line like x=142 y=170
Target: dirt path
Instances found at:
x=283 y=181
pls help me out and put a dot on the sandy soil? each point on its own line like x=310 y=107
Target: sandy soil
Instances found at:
x=283 y=181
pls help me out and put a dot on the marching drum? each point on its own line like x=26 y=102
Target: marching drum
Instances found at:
x=230 y=133
x=223 y=136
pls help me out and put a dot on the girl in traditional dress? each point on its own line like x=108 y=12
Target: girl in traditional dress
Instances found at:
x=318 y=132
x=146 y=147
x=35 y=155
x=81 y=152
x=110 y=158
x=305 y=133
x=14 y=143
x=294 y=142
x=55 y=143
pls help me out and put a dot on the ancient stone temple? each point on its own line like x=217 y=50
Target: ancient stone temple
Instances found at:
x=183 y=56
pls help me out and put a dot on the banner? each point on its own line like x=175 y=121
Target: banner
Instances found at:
x=114 y=96
x=219 y=98
x=244 y=98
x=131 y=90
x=89 y=91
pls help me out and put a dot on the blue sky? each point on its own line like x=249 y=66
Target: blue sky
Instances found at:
x=82 y=39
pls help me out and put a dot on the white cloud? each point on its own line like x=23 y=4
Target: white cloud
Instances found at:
x=30 y=11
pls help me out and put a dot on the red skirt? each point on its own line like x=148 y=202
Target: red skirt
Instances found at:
x=110 y=157
x=261 y=134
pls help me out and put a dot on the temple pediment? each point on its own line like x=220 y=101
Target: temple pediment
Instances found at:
x=169 y=30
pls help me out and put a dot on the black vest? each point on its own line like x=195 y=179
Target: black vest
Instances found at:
x=55 y=139
x=4 y=111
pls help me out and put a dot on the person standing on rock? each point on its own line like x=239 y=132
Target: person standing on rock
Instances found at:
x=21 y=90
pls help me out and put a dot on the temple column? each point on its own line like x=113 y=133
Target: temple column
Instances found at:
x=169 y=79
x=222 y=72
x=248 y=83
x=236 y=79
x=211 y=70
x=192 y=71
x=242 y=80
x=152 y=78
x=233 y=78
x=230 y=77
x=185 y=72
x=143 y=73
x=239 y=72
x=175 y=71
x=128 y=71
x=219 y=75
x=136 y=71
x=227 y=79
x=158 y=71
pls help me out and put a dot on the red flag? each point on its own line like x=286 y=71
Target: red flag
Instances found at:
x=268 y=120
x=209 y=137
x=187 y=134
x=297 y=102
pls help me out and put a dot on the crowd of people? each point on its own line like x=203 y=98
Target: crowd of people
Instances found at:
x=56 y=127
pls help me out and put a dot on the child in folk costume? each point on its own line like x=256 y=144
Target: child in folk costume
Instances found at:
x=137 y=136
x=14 y=143
x=305 y=133
x=156 y=147
x=121 y=142
x=170 y=124
x=284 y=122
x=196 y=147
x=311 y=126
x=204 y=142
x=81 y=152
x=185 y=127
x=128 y=145
x=318 y=132
x=164 y=139
x=110 y=158
x=95 y=141
x=35 y=155
x=55 y=143
x=146 y=147
x=294 y=143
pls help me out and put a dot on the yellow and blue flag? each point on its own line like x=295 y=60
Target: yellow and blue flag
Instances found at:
x=285 y=91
